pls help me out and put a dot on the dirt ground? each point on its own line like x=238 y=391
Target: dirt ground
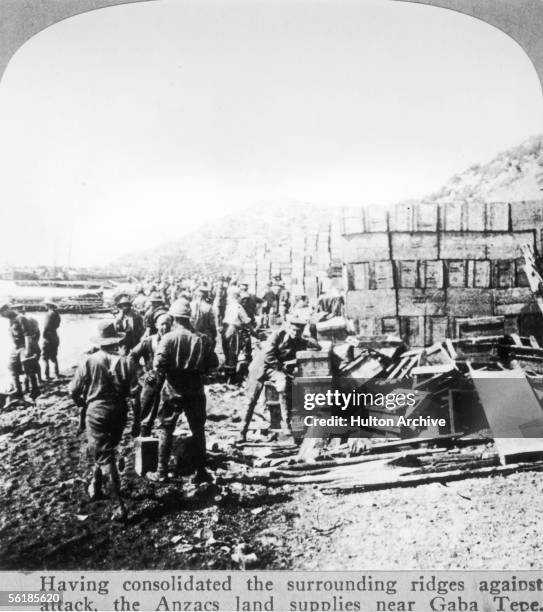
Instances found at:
x=46 y=521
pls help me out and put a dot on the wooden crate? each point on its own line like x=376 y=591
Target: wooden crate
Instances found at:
x=474 y=216
x=378 y=303
x=352 y=221
x=497 y=216
x=521 y=280
x=451 y=216
x=478 y=273
x=420 y=245
x=462 y=245
x=412 y=331
x=368 y=326
x=506 y=245
x=401 y=217
x=456 y=272
x=390 y=326
x=313 y=363
x=514 y=301
x=375 y=219
x=382 y=276
x=431 y=273
x=503 y=273
x=366 y=247
x=415 y=302
x=526 y=215
x=408 y=274
x=359 y=276
x=475 y=327
x=437 y=329
x=469 y=302
x=425 y=217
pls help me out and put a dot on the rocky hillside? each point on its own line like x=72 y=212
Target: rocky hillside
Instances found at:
x=515 y=174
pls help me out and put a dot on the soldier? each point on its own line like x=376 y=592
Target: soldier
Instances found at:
x=50 y=338
x=279 y=355
x=23 y=356
x=183 y=357
x=146 y=350
x=101 y=387
x=129 y=323
x=236 y=334
x=156 y=307
x=203 y=317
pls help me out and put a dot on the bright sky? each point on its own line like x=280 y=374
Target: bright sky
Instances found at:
x=125 y=127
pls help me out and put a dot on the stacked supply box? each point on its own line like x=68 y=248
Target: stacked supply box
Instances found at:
x=416 y=268
x=310 y=261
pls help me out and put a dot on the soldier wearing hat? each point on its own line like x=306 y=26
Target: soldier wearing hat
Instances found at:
x=182 y=358
x=129 y=323
x=279 y=354
x=146 y=349
x=156 y=307
x=101 y=387
x=51 y=340
x=203 y=317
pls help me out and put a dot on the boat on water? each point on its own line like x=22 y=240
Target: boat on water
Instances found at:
x=64 y=284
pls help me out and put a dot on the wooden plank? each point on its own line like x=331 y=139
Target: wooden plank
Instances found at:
x=372 y=484
x=513 y=413
x=420 y=245
x=469 y=302
x=425 y=302
x=366 y=247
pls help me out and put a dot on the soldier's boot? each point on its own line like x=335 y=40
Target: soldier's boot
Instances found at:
x=286 y=427
x=112 y=475
x=95 y=487
x=165 y=444
x=57 y=372
x=46 y=369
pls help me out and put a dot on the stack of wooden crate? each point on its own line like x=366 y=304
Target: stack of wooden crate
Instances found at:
x=414 y=269
x=310 y=261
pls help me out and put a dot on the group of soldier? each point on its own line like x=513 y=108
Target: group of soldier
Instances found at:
x=153 y=358
x=24 y=359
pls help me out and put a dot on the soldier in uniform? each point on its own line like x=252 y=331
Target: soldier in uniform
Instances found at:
x=102 y=385
x=183 y=357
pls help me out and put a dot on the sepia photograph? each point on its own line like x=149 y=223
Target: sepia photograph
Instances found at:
x=271 y=289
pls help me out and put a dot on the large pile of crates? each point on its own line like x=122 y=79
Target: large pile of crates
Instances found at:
x=419 y=268
x=309 y=261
